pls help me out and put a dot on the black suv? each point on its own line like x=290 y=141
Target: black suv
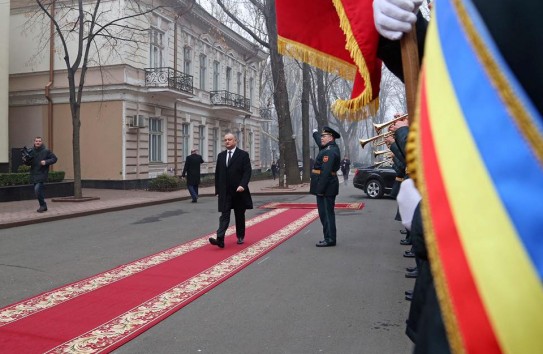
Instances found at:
x=375 y=181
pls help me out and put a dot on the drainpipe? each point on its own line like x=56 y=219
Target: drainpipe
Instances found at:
x=175 y=150
x=51 y=79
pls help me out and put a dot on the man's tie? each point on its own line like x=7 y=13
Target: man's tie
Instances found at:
x=229 y=157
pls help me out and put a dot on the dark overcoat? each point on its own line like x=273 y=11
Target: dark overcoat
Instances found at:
x=39 y=173
x=192 y=169
x=228 y=179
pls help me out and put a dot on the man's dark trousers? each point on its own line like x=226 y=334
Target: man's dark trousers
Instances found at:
x=193 y=190
x=325 y=206
x=224 y=220
x=38 y=191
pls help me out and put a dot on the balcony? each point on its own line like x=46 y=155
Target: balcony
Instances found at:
x=228 y=100
x=166 y=79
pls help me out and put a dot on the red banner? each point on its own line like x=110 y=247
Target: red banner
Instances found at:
x=337 y=36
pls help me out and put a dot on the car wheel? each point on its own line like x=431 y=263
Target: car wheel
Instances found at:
x=374 y=189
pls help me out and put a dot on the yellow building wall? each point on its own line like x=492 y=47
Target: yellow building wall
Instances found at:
x=101 y=140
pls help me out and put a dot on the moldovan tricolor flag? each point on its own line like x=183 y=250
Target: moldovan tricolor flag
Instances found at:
x=338 y=36
x=478 y=147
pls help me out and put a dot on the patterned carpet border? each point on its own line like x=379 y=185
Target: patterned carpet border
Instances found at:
x=122 y=328
x=282 y=205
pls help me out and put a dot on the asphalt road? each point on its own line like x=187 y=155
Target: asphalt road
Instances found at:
x=295 y=299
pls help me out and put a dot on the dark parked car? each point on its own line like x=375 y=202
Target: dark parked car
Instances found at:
x=375 y=181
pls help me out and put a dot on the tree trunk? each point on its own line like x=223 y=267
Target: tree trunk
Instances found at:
x=306 y=87
x=287 y=144
x=76 y=125
x=322 y=114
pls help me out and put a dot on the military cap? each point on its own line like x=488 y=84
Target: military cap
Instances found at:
x=326 y=130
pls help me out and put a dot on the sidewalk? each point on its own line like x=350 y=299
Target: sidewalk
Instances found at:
x=20 y=213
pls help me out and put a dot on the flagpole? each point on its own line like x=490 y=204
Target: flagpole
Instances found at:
x=410 y=65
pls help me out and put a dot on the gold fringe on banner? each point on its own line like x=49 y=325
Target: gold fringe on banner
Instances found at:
x=316 y=58
x=345 y=108
x=353 y=110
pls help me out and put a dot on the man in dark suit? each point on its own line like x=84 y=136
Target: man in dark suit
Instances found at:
x=232 y=175
x=324 y=182
x=192 y=171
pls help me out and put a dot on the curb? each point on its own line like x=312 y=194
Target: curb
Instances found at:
x=9 y=225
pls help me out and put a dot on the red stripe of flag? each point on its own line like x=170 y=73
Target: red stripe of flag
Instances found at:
x=475 y=328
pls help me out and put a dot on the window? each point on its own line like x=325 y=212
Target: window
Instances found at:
x=185 y=138
x=216 y=142
x=228 y=78
x=156 y=48
x=203 y=60
x=202 y=135
x=239 y=83
x=251 y=88
x=187 y=57
x=215 y=76
x=155 y=139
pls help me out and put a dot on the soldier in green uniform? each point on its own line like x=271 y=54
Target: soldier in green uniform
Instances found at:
x=324 y=182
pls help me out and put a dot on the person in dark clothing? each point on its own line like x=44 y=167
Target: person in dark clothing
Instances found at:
x=274 y=169
x=345 y=169
x=324 y=182
x=232 y=176
x=41 y=159
x=192 y=171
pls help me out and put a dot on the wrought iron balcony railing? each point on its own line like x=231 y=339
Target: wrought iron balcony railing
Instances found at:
x=225 y=98
x=170 y=78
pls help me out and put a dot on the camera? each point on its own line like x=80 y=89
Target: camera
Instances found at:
x=27 y=155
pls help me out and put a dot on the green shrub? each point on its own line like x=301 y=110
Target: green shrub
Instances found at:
x=164 y=183
x=17 y=179
x=23 y=169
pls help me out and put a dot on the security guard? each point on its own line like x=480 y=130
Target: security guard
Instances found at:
x=324 y=182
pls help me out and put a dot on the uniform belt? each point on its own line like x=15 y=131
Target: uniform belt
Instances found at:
x=318 y=172
x=399 y=179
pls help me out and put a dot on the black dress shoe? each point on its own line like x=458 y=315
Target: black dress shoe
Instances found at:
x=403 y=232
x=405 y=242
x=408 y=254
x=410 y=269
x=409 y=297
x=412 y=274
x=240 y=241
x=41 y=209
x=325 y=243
x=409 y=292
x=217 y=242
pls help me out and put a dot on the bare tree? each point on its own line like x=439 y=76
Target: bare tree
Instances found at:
x=287 y=146
x=84 y=30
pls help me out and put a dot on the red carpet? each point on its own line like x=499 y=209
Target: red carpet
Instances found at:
x=101 y=313
x=353 y=206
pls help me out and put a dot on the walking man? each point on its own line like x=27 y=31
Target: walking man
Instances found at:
x=42 y=158
x=345 y=169
x=192 y=171
x=324 y=182
x=232 y=175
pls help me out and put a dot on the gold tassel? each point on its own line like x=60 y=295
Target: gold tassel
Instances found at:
x=316 y=58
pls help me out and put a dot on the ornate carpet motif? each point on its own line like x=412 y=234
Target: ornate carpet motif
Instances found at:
x=69 y=292
x=103 y=337
x=279 y=205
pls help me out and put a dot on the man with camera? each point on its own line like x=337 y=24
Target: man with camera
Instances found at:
x=39 y=159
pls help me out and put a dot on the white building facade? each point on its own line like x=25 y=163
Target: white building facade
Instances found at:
x=182 y=82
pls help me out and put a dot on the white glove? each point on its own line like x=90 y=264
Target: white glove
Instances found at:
x=315 y=130
x=408 y=198
x=393 y=17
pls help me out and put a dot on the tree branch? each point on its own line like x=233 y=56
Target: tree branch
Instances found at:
x=243 y=26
